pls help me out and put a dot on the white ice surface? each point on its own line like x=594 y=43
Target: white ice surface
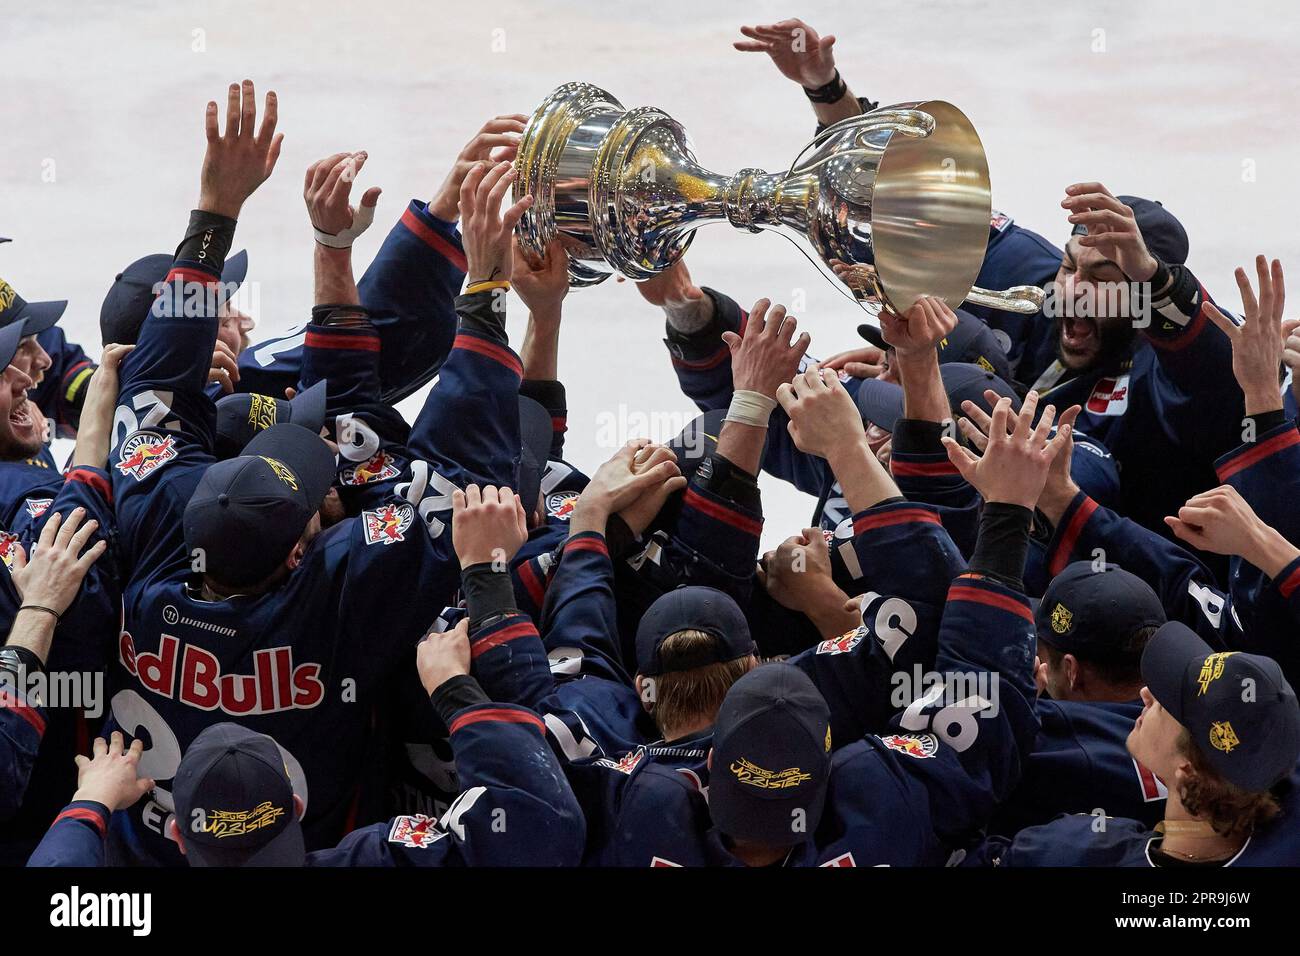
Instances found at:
x=1185 y=99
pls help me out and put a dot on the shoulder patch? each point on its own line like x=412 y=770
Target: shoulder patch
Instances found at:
x=1109 y=396
x=560 y=505
x=624 y=764
x=144 y=452
x=7 y=544
x=843 y=860
x=387 y=525
x=379 y=468
x=842 y=644
x=417 y=830
x=921 y=746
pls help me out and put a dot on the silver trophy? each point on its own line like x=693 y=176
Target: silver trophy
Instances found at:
x=894 y=203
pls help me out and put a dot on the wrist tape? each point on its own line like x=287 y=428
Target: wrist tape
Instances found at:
x=750 y=408
x=361 y=220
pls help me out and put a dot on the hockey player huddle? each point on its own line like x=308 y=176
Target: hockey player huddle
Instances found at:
x=1049 y=618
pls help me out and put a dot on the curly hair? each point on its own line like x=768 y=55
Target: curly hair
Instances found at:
x=1228 y=808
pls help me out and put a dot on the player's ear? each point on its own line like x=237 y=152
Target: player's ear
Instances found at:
x=173 y=833
x=1070 y=664
x=299 y=808
x=708 y=761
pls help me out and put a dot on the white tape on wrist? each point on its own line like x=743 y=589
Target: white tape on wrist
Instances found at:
x=361 y=220
x=750 y=408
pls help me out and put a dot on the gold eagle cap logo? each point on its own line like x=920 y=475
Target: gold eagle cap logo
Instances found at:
x=1062 y=618
x=1223 y=737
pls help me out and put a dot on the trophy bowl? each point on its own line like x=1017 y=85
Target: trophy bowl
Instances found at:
x=894 y=204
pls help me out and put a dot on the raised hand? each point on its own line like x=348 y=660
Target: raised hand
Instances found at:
x=795 y=48
x=52 y=576
x=326 y=191
x=486 y=230
x=443 y=655
x=497 y=141
x=639 y=513
x=113 y=776
x=487 y=524
x=823 y=416
x=865 y=362
x=927 y=323
x=1112 y=229
x=768 y=355
x=94 y=432
x=1017 y=457
x=240 y=159
x=635 y=468
x=542 y=283
x=1257 y=344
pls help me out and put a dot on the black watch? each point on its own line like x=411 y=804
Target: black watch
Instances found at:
x=19 y=660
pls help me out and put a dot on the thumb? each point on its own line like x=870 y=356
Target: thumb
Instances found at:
x=371 y=196
x=863 y=370
x=19 y=557
x=961 y=459
x=732 y=340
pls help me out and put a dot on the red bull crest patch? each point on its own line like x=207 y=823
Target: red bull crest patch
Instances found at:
x=842 y=644
x=144 y=452
x=418 y=831
x=379 y=468
x=388 y=525
x=914 y=745
x=561 y=504
x=8 y=542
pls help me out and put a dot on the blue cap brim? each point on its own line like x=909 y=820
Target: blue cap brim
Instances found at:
x=39 y=316
x=10 y=336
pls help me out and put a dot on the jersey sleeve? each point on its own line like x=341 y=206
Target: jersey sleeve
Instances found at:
x=63 y=391
x=966 y=734
x=165 y=424
x=921 y=469
x=22 y=725
x=903 y=554
x=1089 y=532
x=515 y=809
x=468 y=429
x=579 y=617
x=408 y=290
x=76 y=838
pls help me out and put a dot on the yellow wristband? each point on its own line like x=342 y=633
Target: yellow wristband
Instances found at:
x=485 y=285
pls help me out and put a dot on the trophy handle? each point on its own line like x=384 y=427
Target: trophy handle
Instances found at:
x=1024 y=299
x=908 y=122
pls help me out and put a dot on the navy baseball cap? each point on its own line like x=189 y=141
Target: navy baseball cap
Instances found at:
x=692 y=608
x=248 y=512
x=33 y=317
x=535 y=434
x=881 y=403
x=234 y=801
x=10 y=337
x=771 y=760
x=972 y=341
x=243 y=415
x=1164 y=235
x=1239 y=709
x=1092 y=613
x=131 y=296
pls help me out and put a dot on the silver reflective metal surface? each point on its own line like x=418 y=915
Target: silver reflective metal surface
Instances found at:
x=895 y=204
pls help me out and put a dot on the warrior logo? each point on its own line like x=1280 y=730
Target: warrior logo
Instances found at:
x=38 y=506
x=387 y=525
x=1211 y=670
x=144 y=452
x=379 y=468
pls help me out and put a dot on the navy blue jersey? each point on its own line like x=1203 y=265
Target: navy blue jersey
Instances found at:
x=1096 y=840
x=915 y=795
x=305 y=661
x=22 y=725
x=1079 y=764
x=30 y=491
x=516 y=809
x=903 y=560
x=409 y=291
x=62 y=391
